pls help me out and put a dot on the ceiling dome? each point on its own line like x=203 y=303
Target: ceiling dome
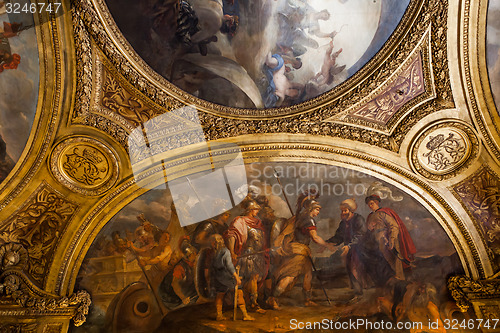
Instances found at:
x=257 y=54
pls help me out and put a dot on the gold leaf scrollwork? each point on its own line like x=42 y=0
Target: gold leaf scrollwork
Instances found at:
x=76 y=306
x=37 y=226
x=464 y=290
x=85 y=166
x=480 y=194
x=19 y=328
x=443 y=152
x=117 y=99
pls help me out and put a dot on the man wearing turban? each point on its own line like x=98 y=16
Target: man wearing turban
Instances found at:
x=393 y=239
x=351 y=230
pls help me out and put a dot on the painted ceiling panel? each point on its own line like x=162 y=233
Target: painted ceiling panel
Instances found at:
x=19 y=77
x=279 y=53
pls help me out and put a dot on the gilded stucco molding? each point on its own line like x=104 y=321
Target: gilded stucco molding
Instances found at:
x=306 y=118
x=18 y=302
x=479 y=194
x=37 y=226
x=407 y=87
x=475 y=74
x=466 y=292
x=444 y=150
x=90 y=226
x=84 y=165
x=51 y=42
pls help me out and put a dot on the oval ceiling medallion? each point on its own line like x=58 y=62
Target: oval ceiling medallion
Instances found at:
x=443 y=149
x=257 y=54
x=84 y=165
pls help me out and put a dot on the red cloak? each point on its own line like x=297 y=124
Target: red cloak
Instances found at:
x=406 y=247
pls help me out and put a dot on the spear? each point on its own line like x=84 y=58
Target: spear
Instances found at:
x=276 y=175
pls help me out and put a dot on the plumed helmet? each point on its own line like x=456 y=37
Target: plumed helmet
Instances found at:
x=186 y=248
x=311 y=204
x=251 y=206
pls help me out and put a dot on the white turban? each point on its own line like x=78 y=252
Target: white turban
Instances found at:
x=349 y=203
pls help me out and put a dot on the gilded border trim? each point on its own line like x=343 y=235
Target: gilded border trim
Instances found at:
x=483 y=78
x=48 y=110
x=264 y=153
x=137 y=69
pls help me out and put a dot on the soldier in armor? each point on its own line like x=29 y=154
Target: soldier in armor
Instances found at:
x=208 y=228
x=178 y=286
x=247 y=242
x=297 y=254
x=224 y=278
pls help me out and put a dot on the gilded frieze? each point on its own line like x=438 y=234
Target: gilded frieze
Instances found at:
x=17 y=292
x=245 y=121
x=37 y=225
x=466 y=291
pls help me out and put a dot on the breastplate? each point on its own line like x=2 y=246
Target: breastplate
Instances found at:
x=255 y=239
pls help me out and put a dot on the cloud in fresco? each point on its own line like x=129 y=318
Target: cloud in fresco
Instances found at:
x=155 y=205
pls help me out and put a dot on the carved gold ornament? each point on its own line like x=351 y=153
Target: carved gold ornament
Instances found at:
x=480 y=196
x=442 y=150
x=37 y=225
x=84 y=165
x=13 y=255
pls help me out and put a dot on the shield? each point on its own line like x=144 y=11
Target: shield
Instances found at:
x=200 y=278
x=135 y=309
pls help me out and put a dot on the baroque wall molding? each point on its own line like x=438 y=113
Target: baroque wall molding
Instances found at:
x=475 y=74
x=22 y=303
x=222 y=124
x=444 y=149
x=479 y=194
x=466 y=292
x=37 y=225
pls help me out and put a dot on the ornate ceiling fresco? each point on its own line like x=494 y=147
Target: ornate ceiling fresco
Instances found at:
x=20 y=77
x=122 y=121
x=305 y=48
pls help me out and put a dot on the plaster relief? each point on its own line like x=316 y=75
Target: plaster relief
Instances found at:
x=480 y=194
x=37 y=226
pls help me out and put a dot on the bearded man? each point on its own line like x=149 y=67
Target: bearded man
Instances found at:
x=350 y=232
